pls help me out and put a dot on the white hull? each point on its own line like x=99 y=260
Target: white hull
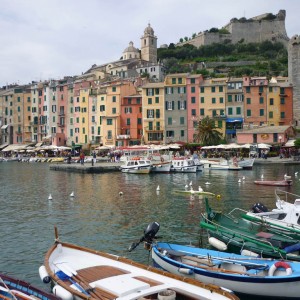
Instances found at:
x=121 y=278
x=164 y=167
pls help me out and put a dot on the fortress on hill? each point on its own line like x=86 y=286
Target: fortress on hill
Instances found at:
x=254 y=30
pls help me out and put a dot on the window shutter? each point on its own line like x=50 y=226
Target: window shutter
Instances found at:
x=173 y=105
x=184 y=104
x=178 y=104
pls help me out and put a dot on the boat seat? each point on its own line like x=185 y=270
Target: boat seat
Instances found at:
x=203 y=261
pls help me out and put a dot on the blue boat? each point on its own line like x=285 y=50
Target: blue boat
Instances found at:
x=264 y=277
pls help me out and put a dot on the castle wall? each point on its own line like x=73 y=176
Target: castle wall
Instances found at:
x=294 y=75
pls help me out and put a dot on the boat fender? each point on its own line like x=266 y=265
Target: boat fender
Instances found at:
x=44 y=274
x=62 y=293
x=185 y=271
x=292 y=248
x=249 y=253
x=280 y=264
x=217 y=244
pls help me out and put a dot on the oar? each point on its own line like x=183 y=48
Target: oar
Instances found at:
x=64 y=274
x=89 y=289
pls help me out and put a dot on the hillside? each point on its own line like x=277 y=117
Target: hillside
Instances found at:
x=227 y=59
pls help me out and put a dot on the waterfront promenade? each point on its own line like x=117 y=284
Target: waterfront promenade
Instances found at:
x=104 y=166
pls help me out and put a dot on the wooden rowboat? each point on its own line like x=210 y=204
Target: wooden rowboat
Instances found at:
x=274 y=182
x=82 y=273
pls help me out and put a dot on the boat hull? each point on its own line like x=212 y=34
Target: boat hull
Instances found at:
x=274 y=182
x=280 y=286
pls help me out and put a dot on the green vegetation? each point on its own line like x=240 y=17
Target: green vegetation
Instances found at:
x=253 y=59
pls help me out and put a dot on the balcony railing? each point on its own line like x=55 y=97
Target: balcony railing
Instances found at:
x=123 y=137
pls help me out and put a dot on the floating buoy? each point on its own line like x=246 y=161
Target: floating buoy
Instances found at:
x=44 y=274
x=72 y=194
x=50 y=197
x=218 y=197
x=121 y=193
x=217 y=244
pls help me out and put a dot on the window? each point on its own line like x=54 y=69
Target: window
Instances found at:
x=83 y=120
x=248 y=100
x=213 y=89
x=149 y=100
x=109 y=122
x=202 y=89
x=128 y=110
x=282 y=115
x=181 y=90
x=169 y=90
x=248 y=112
x=247 y=89
x=149 y=92
x=53 y=108
x=170 y=122
x=282 y=92
x=261 y=112
x=181 y=105
x=109 y=134
x=193 y=112
x=220 y=89
x=77 y=120
x=102 y=108
x=114 y=89
x=173 y=80
x=220 y=124
x=193 y=80
x=128 y=121
x=213 y=100
x=282 y=101
x=193 y=89
x=229 y=98
x=182 y=133
x=270 y=89
x=179 y=80
x=114 y=110
x=261 y=100
x=156 y=91
x=221 y=100
x=170 y=134
x=201 y=111
x=156 y=99
x=157 y=113
x=229 y=110
x=114 y=99
x=193 y=99
x=181 y=120
x=271 y=101
x=150 y=113
x=93 y=119
x=202 y=99
x=270 y=115
x=150 y=125
x=238 y=111
x=139 y=121
x=261 y=89
x=169 y=105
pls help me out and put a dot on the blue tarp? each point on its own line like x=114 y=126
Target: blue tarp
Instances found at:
x=232 y=120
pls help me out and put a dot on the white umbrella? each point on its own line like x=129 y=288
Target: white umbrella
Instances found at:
x=263 y=146
x=64 y=148
x=247 y=146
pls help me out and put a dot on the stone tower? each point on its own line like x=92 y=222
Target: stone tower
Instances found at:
x=149 y=45
x=294 y=75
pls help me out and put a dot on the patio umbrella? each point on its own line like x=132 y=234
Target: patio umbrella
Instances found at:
x=263 y=146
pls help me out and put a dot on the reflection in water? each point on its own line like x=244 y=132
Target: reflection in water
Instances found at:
x=110 y=211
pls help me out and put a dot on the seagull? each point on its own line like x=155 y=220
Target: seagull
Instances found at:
x=239 y=181
x=243 y=178
x=296 y=173
x=121 y=193
x=72 y=194
x=191 y=183
x=200 y=189
x=158 y=188
x=262 y=176
x=186 y=186
x=207 y=182
x=50 y=197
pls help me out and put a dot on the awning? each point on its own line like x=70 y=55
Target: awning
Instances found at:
x=4 y=126
x=233 y=120
x=3 y=146
x=290 y=143
x=39 y=144
x=48 y=137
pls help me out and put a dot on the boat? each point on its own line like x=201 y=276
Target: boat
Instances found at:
x=225 y=165
x=83 y=273
x=285 y=182
x=233 y=233
x=286 y=215
x=136 y=165
x=161 y=166
x=239 y=273
x=199 y=164
x=13 y=288
x=246 y=163
x=183 y=165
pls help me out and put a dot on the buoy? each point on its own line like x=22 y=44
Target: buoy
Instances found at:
x=158 y=188
x=218 y=197
x=62 y=293
x=217 y=244
x=44 y=274
x=72 y=194
x=185 y=271
x=280 y=264
x=249 y=253
x=121 y=193
x=50 y=197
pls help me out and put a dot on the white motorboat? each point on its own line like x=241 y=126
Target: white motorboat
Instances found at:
x=225 y=165
x=183 y=165
x=136 y=165
x=84 y=274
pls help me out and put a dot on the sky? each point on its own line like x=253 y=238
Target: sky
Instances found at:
x=50 y=39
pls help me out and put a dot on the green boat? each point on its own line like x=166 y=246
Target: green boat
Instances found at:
x=230 y=232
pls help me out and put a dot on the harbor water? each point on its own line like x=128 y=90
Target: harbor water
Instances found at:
x=110 y=211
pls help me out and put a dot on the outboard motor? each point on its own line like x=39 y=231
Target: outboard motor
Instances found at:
x=149 y=235
x=259 y=208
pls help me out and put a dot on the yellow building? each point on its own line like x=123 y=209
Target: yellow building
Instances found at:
x=212 y=101
x=153 y=112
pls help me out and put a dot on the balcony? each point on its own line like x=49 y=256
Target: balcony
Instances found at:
x=60 y=124
x=61 y=114
x=219 y=117
x=18 y=132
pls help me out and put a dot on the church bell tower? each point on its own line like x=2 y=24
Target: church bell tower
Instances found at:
x=149 y=45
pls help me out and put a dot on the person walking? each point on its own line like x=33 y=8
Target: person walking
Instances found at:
x=81 y=157
x=94 y=158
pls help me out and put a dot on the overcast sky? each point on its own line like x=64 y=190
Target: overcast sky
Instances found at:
x=43 y=39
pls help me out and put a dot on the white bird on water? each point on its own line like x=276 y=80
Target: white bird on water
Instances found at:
x=262 y=176
x=296 y=173
x=207 y=182
x=50 y=197
x=243 y=178
x=158 y=188
x=72 y=194
x=239 y=181
x=200 y=189
x=191 y=183
x=186 y=187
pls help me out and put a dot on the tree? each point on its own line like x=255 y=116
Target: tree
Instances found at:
x=297 y=143
x=207 y=133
